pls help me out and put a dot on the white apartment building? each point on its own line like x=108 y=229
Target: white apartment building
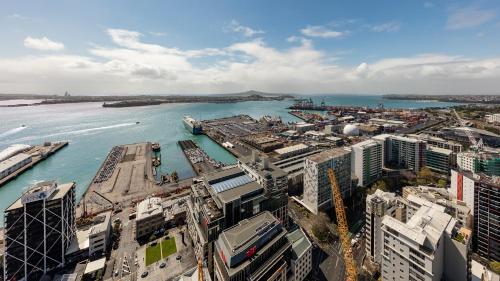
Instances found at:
x=493 y=118
x=428 y=247
x=465 y=161
x=402 y=152
x=378 y=205
x=99 y=235
x=366 y=161
x=317 y=188
x=462 y=188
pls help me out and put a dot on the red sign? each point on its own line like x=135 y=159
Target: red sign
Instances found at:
x=251 y=251
x=223 y=257
x=460 y=187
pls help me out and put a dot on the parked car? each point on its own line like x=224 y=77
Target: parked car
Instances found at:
x=144 y=274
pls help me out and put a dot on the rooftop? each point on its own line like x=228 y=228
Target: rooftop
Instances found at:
x=149 y=207
x=50 y=189
x=292 y=148
x=9 y=162
x=101 y=223
x=300 y=242
x=95 y=265
x=328 y=154
x=439 y=150
x=365 y=144
x=247 y=232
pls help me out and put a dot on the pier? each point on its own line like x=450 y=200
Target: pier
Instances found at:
x=198 y=158
x=38 y=153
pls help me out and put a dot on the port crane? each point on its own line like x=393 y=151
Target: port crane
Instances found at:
x=476 y=145
x=352 y=274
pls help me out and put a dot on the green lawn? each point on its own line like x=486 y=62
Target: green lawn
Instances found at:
x=153 y=254
x=168 y=247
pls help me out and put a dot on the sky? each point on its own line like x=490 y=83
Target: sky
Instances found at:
x=97 y=47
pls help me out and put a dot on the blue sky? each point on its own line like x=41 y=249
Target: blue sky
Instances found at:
x=176 y=47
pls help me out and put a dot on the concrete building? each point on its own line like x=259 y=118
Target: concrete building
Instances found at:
x=487 y=162
x=424 y=247
x=366 y=161
x=462 y=185
x=486 y=217
x=293 y=150
x=150 y=217
x=493 y=118
x=303 y=127
x=456 y=147
x=255 y=249
x=39 y=228
x=402 y=152
x=301 y=259
x=317 y=188
x=100 y=234
x=294 y=167
x=13 y=164
x=416 y=196
x=378 y=205
x=225 y=198
x=439 y=159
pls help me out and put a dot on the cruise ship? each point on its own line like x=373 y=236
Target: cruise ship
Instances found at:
x=192 y=125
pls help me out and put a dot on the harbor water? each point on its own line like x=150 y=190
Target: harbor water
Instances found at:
x=93 y=130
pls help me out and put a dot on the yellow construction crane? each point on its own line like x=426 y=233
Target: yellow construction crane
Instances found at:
x=200 y=270
x=350 y=267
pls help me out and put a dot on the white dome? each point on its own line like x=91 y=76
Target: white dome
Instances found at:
x=351 y=130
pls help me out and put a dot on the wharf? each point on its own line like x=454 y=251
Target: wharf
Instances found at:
x=38 y=154
x=125 y=175
x=233 y=129
x=198 y=158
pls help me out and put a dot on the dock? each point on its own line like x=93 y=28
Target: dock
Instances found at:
x=38 y=154
x=198 y=158
x=127 y=173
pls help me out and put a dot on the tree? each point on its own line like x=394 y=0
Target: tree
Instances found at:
x=442 y=183
x=426 y=176
x=320 y=227
x=380 y=184
x=175 y=176
x=495 y=266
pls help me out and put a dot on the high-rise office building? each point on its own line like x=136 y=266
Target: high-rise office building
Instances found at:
x=317 y=188
x=366 y=158
x=39 y=227
x=255 y=249
x=221 y=200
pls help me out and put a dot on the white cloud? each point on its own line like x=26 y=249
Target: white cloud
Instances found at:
x=131 y=66
x=42 y=44
x=428 y=4
x=386 y=27
x=467 y=17
x=321 y=31
x=16 y=16
x=246 y=31
x=157 y=34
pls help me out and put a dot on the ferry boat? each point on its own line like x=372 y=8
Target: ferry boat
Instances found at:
x=192 y=125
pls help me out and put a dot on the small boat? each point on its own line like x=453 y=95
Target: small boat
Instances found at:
x=23 y=125
x=137 y=122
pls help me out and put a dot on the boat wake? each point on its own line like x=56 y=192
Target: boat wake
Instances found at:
x=75 y=132
x=12 y=131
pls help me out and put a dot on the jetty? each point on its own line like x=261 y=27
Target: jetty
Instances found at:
x=31 y=157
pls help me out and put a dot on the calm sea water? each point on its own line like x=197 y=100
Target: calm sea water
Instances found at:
x=93 y=130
